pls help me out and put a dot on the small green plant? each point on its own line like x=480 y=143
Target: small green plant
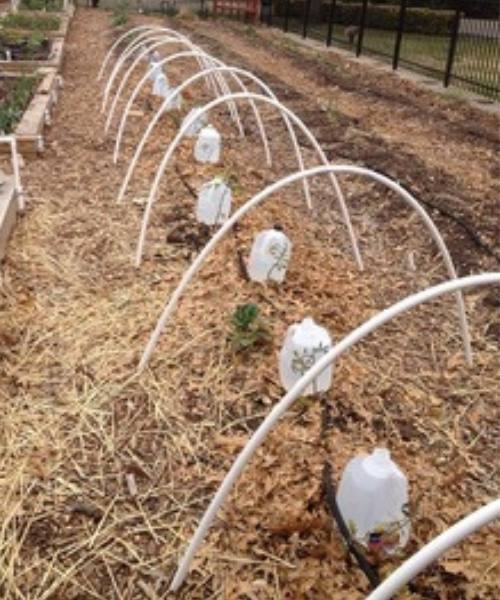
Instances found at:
x=47 y=5
x=31 y=22
x=120 y=13
x=248 y=328
x=171 y=10
x=15 y=103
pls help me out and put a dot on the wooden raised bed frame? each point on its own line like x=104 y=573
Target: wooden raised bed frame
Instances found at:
x=29 y=131
x=32 y=66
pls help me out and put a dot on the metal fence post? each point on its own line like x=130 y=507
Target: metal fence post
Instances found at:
x=399 y=34
x=453 y=45
x=270 y=13
x=330 y=23
x=287 y=15
x=362 y=22
x=305 y=22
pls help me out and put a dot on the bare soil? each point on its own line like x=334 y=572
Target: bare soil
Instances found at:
x=441 y=150
x=104 y=473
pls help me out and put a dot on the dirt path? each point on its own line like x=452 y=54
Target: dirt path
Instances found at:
x=104 y=473
x=443 y=151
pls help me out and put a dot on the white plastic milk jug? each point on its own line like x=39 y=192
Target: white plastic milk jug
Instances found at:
x=160 y=85
x=305 y=343
x=373 y=499
x=197 y=125
x=175 y=103
x=214 y=202
x=207 y=147
x=269 y=257
x=154 y=59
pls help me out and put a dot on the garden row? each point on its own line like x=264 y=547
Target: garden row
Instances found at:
x=371 y=504
x=31 y=58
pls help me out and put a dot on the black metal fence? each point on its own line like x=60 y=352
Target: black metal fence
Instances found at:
x=456 y=41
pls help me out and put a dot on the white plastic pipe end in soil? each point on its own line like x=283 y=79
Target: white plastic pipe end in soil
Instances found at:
x=434 y=549
x=284 y=404
x=275 y=187
x=292 y=117
x=16 y=172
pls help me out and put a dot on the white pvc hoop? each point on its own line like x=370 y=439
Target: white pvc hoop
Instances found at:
x=206 y=108
x=171 y=304
x=124 y=36
x=141 y=40
x=202 y=58
x=234 y=73
x=178 y=90
x=156 y=42
x=286 y=401
x=137 y=43
x=434 y=549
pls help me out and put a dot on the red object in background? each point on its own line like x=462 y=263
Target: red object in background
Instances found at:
x=249 y=8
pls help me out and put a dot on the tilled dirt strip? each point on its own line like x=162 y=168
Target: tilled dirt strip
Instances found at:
x=444 y=152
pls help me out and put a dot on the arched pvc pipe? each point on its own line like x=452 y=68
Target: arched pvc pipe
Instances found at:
x=284 y=404
x=292 y=116
x=152 y=44
x=124 y=36
x=197 y=54
x=136 y=44
x=202 y=58
x=235 y=74
x=148 y=30
x=178 y=89
x=141 y=40
x=434 y=549
x=261 y=196
x=157 y=42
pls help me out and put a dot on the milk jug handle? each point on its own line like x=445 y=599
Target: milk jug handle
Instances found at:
x=270 y=240
x=291 y=332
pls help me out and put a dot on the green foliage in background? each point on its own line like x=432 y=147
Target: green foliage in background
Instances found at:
x=418 y=20
x=48 y=5
x=15 y=103
x=30 y=43
x=120 y=13
x=32 y=22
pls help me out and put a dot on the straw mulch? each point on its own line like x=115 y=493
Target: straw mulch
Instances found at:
x=104 y=473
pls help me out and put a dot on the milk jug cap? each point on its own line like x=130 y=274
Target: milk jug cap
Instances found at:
x=379 y=463
x=210 y=131
x=309 y=333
